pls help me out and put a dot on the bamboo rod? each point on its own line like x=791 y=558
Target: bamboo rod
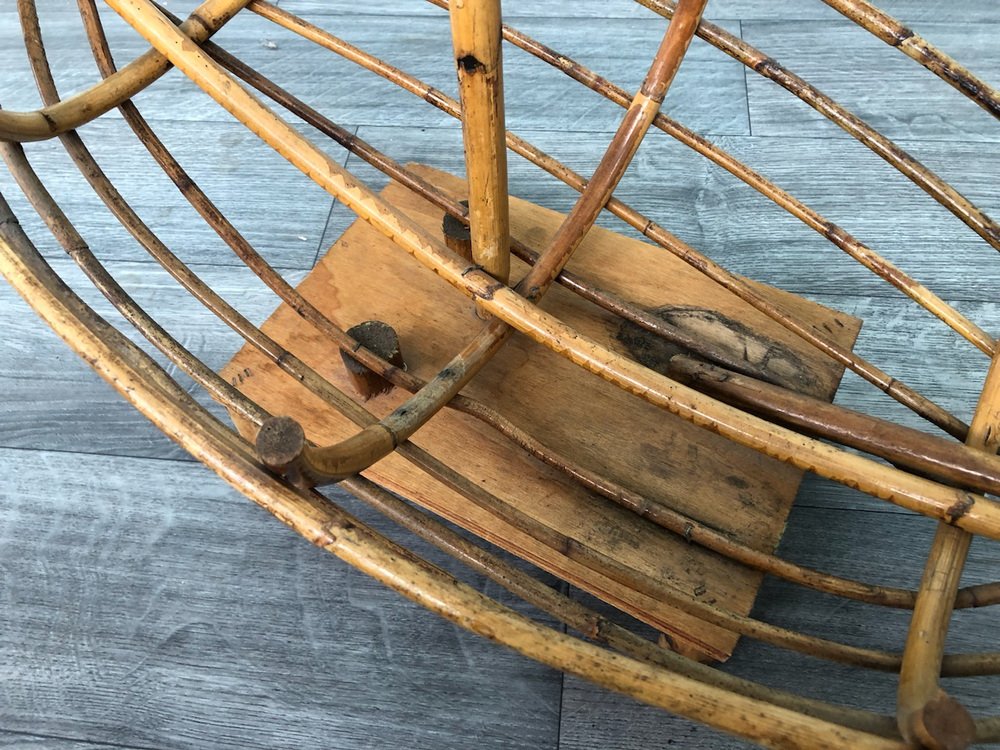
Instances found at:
x=692 y=530
x=924 y=453
x=893 y=387
x=979 y=516
x=895 y=34
x=898 y=158
x=369 y=552
x=592 y=624
x=71 y=113
x=925 y=712
x=860 y=252
x=335 y=462
x=476 y=40
x=940 y=459
x=608 y=631
x=600 y=563
x=580 y=552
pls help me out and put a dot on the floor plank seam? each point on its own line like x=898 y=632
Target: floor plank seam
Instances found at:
x=333 y=207
x=81 y=741
x=746 y=89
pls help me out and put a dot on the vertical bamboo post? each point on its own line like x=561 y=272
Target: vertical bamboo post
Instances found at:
x=925 y=713
x=476 y=37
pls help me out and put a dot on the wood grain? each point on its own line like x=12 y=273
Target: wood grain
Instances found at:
x=699 y=473
x=110 y=633
x=876 y=82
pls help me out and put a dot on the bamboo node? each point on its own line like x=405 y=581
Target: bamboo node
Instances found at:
x=960 y=508
x=470 y=64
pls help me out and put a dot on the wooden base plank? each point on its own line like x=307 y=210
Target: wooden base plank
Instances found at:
x=364 y=276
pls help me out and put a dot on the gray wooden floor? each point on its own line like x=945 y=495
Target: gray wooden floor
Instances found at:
x=146 y=605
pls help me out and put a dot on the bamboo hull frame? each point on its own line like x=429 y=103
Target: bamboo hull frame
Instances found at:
x=650 y=674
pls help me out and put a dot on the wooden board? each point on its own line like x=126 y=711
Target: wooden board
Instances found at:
x=364 y=276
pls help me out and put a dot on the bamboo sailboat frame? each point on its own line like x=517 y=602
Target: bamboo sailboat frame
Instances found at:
x=950 y=482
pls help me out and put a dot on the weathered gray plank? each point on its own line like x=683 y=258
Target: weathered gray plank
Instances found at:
x=883 y=87
x=199 y=621
x=909 y=11
x=732 y=223
x=421 y=45
x=893 y=551
x=21 y=741
x=279 y=210
x=52 y=399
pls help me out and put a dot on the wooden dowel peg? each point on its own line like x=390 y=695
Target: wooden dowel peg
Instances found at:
x=381 y=339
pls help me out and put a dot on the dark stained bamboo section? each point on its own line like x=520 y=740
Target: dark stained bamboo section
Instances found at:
x=914 y=46
x=702 y=377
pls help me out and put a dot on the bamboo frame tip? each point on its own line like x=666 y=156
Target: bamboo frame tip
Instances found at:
x=943 y=724
x=281 y=443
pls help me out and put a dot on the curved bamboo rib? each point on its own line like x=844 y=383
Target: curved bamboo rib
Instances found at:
x=580 y=552
x=895 y=34
x=747 y=626
x=678 y=523
x=597 y=561
x=493 y=505
x=80 y=109
x=143 y=384
x=535 y=592
x=963 y=664
x=860 y=252
x=972 y=512
x=902 y=161
x=894 y=388
x=925 y=712
x=328 y=527
x=283 y=448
